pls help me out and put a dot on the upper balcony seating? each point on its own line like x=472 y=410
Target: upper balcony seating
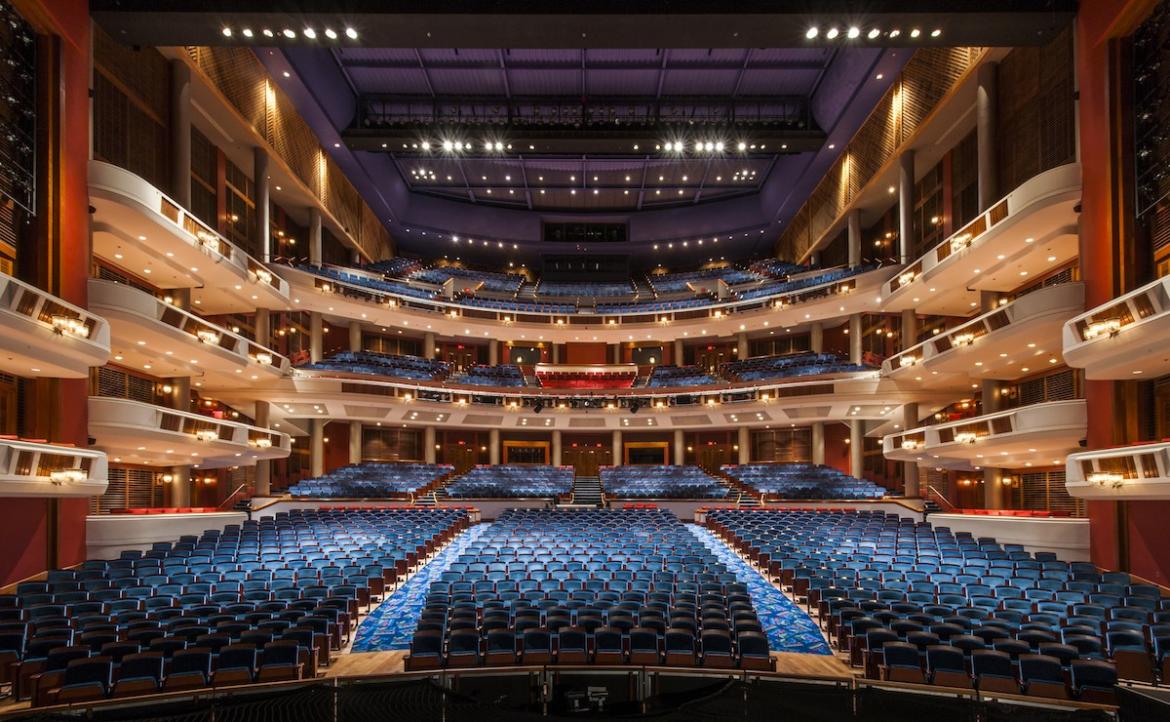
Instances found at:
x=398 y=266
x=650 y=306
x=880 y=580
x=660 y=482
x=275 y=594
x=380 y=364
x=681 y=282
x=634 y=582
x=584 y=290
x=520 y=306
x=507 y=375
x=512 y=481
x=466 y=278
x=763 y=368
x=797 y=284
x=669 y=376
x=365 y=281
x=396 y=480
x=803 y=481
x=776 y=268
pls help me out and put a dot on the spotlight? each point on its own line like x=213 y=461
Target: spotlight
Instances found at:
x=499 y=145
x=915 y=33
x=538 y=407
x=719 y=147
x=854 y=32
x=742 y=146
x=351 y=33
x=330 y=33
x=833 y=33
x=267 y=33
x=487 y=146
x=634 y=406
x=288 y=33
x=895 y=33
x=310 y=33
x=247 y=32
x=935 y=33
x=873 y=33
x=448 y=145
x=227 y=32
x=811 y=32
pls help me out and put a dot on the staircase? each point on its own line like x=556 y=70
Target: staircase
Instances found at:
x=429 y=499
x=746 y=501
x=587 y=491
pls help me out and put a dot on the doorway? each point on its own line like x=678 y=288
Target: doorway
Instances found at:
x=646 y=452
x=526 y=452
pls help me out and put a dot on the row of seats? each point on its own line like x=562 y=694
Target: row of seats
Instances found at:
x=371 y=480
x=505 y=375
x=803 y=481
x=512 y=481
x=381 y=364
x=764 y=368
x=260 y=601
x=649 y=481
x=584 y=289
x=672 y=376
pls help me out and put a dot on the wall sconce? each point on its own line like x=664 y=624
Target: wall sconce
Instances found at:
x=910 y=444
x=207 y=336
x=966 y=437
x=67 y=476
x=963 y=339
x=263 y=442
x=70 y=326
x=207 y=434
x=1107 y=327
x=907 y=360
x=1106 y=478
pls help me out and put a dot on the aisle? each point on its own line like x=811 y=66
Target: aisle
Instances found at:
x=391 y=625
x=788 y=628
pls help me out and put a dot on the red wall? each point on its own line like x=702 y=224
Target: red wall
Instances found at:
x=337 y=448
x=586 y=353
x=836 y=450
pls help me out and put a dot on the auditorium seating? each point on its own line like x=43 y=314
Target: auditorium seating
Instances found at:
x=512 y=481
x=381 y=364
x=795 y=365
x=975 y=613
x=644 y=481
x=466 y=278
x=366 y=281
x=803 y=481
x=267 y=600
x=668 y=376
x=586 y=377
x=608 y=586
x=397 y=480
x=506 y=375
x=584 y=289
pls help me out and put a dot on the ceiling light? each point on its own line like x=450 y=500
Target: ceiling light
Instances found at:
x=812 y=32
x=330 y=33
x=288 y=33
x=247 y=32
x=310 y=33
x=873 y=33
x=935 y=33
x=227 y=32
x=351 y=33
x=915 y=33
x=833 y=32
x=854 y=32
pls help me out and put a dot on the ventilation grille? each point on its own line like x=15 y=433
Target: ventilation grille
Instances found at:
x=116 y=384
x=128 y=487
x=1045 y=491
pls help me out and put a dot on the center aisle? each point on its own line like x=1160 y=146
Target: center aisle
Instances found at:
x=788 y=628
x=392 y=624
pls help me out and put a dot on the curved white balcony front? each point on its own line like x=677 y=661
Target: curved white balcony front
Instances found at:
x=1127 y=337
x=137 y=227
x=148 y=331
x=42 y=336
x=835 y=300
x=1131 y=473
x=1006 y=343
x=1036 y=435
x=29 y=468
x=133 y=432
x=1030 y=231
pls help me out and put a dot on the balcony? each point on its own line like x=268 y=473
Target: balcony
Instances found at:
x=150 y=333
x=1006 y=343
x=1127 y=337
x=1036 y=435
x=134 y=432
x=138 y=228
x=31 y=468
x=1030 y=231
x=42 y=336
x=1132 y=473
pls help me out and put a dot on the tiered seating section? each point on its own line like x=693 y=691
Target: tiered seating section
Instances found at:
x=398 y=480
x=912 y=603
x=671 y=376
x=601 y=586
x=660 y=482
x=265 y=601
x=380 y=364
x=579 y=377
x=505 y=376
x=584 y=290
x=802 y=481
x=767 y=368
x=511 y=481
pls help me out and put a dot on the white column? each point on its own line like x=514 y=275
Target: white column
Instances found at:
x=263 y=466
x=856 y=447
x=854 y=237
x=741 y=345
x=494 y=447
x=355 y=336
x=260 y=187
x=985 y=124
x=429 y=345
x=316 y=336
x=905 y=204
x=493 y=352
x=745 y=445
x=855 y=338
x=816 y=337
x=315 y=235
x=429 y=449
x=617 y=447
x=680 y=448
x=355 y=442
x=317 y=447
x=678 y=352
x=910 y=468
x=818 y=442
x=181 y=133
x=557 y=449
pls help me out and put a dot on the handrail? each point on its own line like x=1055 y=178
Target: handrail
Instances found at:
x=223 y=505
x=946 y=503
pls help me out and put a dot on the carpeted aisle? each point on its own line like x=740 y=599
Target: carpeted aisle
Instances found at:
x=391 y=625
x=788 y=628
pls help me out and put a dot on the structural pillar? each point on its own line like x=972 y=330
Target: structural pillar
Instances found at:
x=855 y=338
x=745 y=443
x=617 y=447
x=260 y=187
x=679 y=448
x=429 y=350
x=993 y=488
x=494 y=447
x=493 y=352
x=678 y=352
x=355 y=442
x=985 y=122
x=181 y=486
x=429 y=450
x=816 y=337
x=909 y=328
x=263 y=466
x=317 y=447
x=316 y=336
x=856 y=446
x=741 y=345
x=617 y=353
x=910 y=468
x=355 y=336
x=557 y=452
x=315 y=233
x=556 y=353
x=905 y=205
x=818 y=442
x=854 y=237
x=262 y=327
x=181 y=133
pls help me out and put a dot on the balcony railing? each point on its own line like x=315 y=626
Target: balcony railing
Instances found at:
x=36 y=322
x=1139 y=472
x=30 y=468
x=1124 y=337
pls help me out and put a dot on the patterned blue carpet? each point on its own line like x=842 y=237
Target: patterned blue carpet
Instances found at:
x=788 y=628
x=391 y=625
